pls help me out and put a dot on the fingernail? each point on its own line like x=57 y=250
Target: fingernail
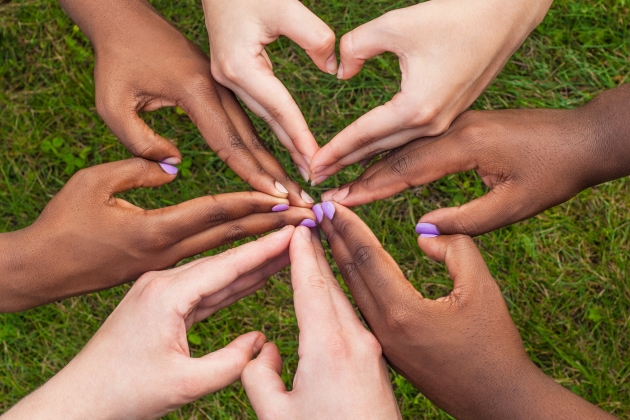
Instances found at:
x=307 y=159
x=172 y=161
x=287 y=227
x=308 y=223
x=281 y=188
x=306 y=233
x=328 y=194
x=280 y=207
x=320 y=169
x=303 y=173
x=258 y=344
x=339 y=197
x=364 y=163
x=169 y=169
x=307 y=198
x=331 y=64
x=329 y=209
x=319 y=213
x=428 y=235
x=427 y=229
x=340 y=71
x=318 y=180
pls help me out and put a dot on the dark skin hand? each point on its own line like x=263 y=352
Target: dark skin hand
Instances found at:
x=143 y=63
x=86 y=239
x=462 y=351
x=531 y=159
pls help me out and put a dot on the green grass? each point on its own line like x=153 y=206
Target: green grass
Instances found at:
x=564 y=273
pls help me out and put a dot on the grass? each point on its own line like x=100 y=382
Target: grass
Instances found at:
x=564 y=273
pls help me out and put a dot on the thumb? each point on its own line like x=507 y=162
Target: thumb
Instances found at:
x=221 y=368
x=262 y=382
x=127 y=174
x=298 y=23
x=465 y=264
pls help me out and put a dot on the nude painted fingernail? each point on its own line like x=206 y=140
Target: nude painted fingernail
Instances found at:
x=331 y=64
x=341 y=195
x=319 y=213
x=306 y=234
x=172 y=161
x=329 y=209
x=364 y=163
x=307 y=159
x=169 y=169
x=428 y=235
x=340 y=71
x=281 y=188
x=319 y=169
x=280 y=207
x=303 y=172
x=427 y=229
x=308 y=223
x=307 y=198
x=328 y=194
x=318 y=180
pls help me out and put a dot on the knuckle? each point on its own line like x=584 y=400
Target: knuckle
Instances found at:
x=325 y=38
x=424 y=116
x=363 y=255
x=218 y=216
x=229 y=70
x=400 y=166
x=234 y=234
x=397 y=320
x=348 y=270
x=199 y=84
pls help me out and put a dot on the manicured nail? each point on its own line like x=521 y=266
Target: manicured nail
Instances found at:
x=308 y=223
x=280 y=207
x=306 y=233
x=169 y=169
x=331 y=64
x=303 y=173
x=329 y=209
x=258 y=344
x=281 y=188
x=364 y=163
x=172 y=161
x=307 y=198
x=428 y=235
x=307 y=159
x=318 y=180
x=320 y=169
x=319 y=213
x=427 y=229
x=327 y=196
x=339 y=197
x=340 y=71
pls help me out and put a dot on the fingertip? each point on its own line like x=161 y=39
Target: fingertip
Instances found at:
x=259 y=343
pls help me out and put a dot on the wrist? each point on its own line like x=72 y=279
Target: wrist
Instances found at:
x=16 y=264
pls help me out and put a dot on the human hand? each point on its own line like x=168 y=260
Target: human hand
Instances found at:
x=138 y=364
x=531 y=159
x=449 y=51
x=143 y=63
x=86 y=239
x=462 y=351
x=341 y=373
x=239 y=30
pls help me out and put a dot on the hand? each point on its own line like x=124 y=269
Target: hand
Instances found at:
x=449 y=51
x=142 y=64
x=462 y=351
x=531 y=159
x=138 y=364
x=239 y=30
x=87 y=240
x=341 y=373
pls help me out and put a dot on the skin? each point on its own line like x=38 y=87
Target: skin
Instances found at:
x=239 y=30
x=86 y=239
x=462 y=351
x=531 y=160
x=341 y=373
x=138 y=364
x=143 y=63
x=449 y=51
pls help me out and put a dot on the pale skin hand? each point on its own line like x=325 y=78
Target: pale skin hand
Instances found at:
x=449 y=51
x=462 y=351
x=239 y=30
x=341 y=373
x=143 y=63
x=138 y=364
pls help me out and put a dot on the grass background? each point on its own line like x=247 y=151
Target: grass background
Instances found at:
x=564 y=273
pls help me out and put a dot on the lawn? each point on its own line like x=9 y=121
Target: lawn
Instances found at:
x=563 y=273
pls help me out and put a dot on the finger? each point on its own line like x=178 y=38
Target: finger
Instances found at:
x=219 y=369
x=299 y=24
x=262 y=382
x=465 y=264
x=373 y=277
x=134 y=133
x=221 y=135
x=235 y=230
x=124 y=175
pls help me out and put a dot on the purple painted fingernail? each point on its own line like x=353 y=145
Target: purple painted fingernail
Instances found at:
x=329 y=209
x=428 y=235
x=280 y=207
x=308 y=223
x=319 y=213
x=169 y=169
x=427 y=229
